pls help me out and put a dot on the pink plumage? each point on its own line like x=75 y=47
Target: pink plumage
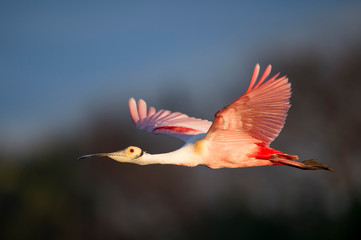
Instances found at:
x=260 y=112
x=249 y=124
x=241 y=132
x=165 y=122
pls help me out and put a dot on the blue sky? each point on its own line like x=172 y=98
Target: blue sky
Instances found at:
x=57 y=58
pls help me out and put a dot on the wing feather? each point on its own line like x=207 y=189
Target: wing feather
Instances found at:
x=260 y=113
x=166 y=122
x=142 y=109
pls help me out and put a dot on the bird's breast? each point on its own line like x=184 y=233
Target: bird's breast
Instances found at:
x=199 y=146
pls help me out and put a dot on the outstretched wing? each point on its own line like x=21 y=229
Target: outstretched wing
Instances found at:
x=259 y=114
x=165 y=122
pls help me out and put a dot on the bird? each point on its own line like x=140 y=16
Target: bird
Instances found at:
x=240 y=135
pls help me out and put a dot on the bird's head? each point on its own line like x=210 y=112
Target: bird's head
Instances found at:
x=126 y=155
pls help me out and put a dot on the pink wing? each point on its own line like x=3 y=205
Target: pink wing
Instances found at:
x=259 y=114
x=165 y=122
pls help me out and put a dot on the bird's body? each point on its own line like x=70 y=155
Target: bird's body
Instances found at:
x=239 y=136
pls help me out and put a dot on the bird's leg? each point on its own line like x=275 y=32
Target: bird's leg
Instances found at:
x=311 y=164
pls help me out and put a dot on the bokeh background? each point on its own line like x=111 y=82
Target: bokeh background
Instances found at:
x=67 y=69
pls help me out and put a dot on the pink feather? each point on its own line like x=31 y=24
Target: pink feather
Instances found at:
x=165 y=122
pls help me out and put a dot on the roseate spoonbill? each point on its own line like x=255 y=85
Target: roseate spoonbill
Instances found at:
x=239 y=136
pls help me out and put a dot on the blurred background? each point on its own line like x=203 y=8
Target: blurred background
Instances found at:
x=68 y=68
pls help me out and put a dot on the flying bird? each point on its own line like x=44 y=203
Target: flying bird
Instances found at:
x=239 y=136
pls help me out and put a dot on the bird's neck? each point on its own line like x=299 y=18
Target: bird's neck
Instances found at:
x=184 y=156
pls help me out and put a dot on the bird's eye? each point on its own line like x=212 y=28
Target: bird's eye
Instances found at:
x=131 y=150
